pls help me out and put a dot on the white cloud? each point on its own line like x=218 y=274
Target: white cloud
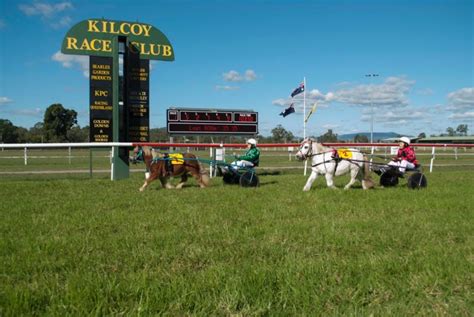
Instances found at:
x=461 y=100
x=462 y=116
x=235 y=76
x=250 y=75
x=62 y=22
x=395 y=117
x=219 y=87
x=313 y=96
x=69 y=61
x=232 y=76
x=331 y=126
x=49 y=13
x=5 y=101
x=37 y=112
x=393 y=92
x=44 y=9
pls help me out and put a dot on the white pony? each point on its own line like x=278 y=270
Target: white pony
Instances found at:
x=331 y=162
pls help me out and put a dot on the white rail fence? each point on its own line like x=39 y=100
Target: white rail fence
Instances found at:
x=217 y=151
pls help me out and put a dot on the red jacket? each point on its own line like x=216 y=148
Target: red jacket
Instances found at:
x=407 y=154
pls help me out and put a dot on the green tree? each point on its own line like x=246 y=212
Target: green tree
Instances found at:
x=8 y=132
x=361 y=138
x=36 y=133
x=57 y=122
x=328 y=137
x=279 y=134
x=159 y=135
x=422 y=135
x=78 y=134
x=462 y=129
x=451 y=131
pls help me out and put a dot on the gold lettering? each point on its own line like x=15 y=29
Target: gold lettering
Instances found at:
x=113 y=30
x=104 y=27
x=93 y=42
x=122 y=28
x=71 y=43
x=101 y=93
x=146 y=29
x=166 y=50
x=106 y=46
x=153 y=51
x=137 y=32
x=85 y=45
x=92 y=26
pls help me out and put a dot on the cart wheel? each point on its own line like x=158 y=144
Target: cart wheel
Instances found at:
x=388 y=179
x=230 y=178
x=249 y=179
x=417 y=180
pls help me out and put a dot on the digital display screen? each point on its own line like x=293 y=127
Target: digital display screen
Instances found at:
x=190 y=121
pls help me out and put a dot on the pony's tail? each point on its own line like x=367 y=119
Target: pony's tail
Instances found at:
x=367 y=181
x=203 y=175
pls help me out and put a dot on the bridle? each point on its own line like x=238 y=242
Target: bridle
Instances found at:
x=309 y=153
x=138 y=156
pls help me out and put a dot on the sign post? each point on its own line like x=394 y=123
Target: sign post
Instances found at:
x=110 y=120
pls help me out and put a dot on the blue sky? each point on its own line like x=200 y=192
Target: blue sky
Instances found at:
x=252 y=54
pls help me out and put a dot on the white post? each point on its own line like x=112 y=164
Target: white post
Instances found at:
x=69 y=151
x=432 y=158
x=455 y=153
x=213 y=160
x=112 y=152
x=304 y=121
x=26 y=156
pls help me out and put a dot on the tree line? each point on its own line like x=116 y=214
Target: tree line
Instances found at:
x=59 y=125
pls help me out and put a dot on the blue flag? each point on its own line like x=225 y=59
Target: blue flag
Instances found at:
x=287 y=111
x=298 y=90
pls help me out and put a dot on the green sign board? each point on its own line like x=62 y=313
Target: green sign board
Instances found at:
x=95 y=37
x=129 y=121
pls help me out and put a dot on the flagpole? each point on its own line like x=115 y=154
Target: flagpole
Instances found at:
x=304 y=121
x=304 y=108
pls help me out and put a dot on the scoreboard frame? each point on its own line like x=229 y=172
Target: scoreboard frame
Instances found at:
x=181 y=121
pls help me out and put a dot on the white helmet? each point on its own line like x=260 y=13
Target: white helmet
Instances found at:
x=252 y=141
x=404 y=139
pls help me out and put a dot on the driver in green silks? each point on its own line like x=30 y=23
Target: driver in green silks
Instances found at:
x=251 y=158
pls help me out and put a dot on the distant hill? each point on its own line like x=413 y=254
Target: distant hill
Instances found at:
x=377 y=136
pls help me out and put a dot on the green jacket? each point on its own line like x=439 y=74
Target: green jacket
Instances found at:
x=252 y=155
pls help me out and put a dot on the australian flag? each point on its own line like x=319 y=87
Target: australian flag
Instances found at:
x=298 y=90
x=287 y=111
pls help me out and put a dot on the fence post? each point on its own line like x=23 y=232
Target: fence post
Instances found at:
x=26 y=155
x=432 y=158
x=69 y=152
x=455 y=153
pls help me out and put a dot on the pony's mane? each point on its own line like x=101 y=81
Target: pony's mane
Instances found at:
x=318 y=146
x=321 y=148
x=147 y=151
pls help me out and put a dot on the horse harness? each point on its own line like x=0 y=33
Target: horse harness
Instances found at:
x=335 y=156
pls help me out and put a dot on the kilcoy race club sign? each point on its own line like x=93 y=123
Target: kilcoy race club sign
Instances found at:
x=99 y=39
x=119 y=105
x=94 y=37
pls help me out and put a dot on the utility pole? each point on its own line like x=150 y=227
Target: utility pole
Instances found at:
x=372 y=109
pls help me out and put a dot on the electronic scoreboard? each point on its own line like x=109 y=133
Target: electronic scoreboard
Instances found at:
x=211 y=121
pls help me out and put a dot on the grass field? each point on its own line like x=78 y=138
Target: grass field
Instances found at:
x=72 y=245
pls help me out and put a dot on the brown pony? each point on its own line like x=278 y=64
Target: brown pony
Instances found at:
x=158 y=166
